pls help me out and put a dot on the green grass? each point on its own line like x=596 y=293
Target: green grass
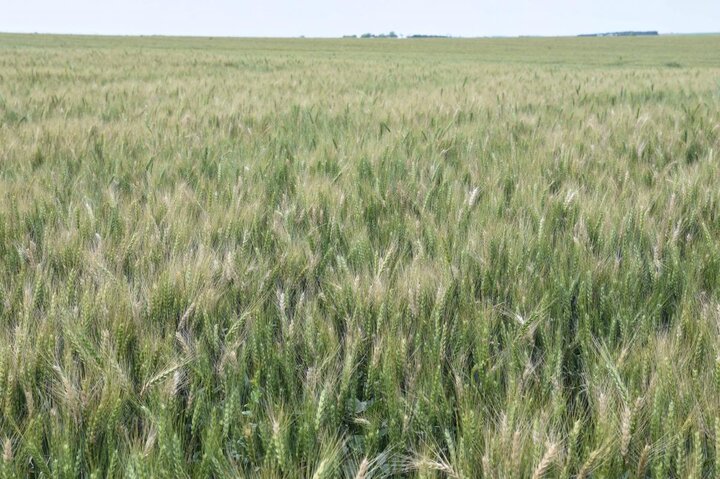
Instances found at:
x=359 y=258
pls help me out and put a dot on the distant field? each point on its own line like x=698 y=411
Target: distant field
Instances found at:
x=359 y=258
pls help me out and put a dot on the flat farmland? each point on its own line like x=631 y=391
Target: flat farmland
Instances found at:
x=359 y=258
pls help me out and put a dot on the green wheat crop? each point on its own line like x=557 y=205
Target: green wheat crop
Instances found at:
x=359 y=258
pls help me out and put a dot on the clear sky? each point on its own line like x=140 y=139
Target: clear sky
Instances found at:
x=322 y=18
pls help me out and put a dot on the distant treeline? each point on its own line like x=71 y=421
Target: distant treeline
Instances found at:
x=393 y=35
x=372 y=35
x=621 y=34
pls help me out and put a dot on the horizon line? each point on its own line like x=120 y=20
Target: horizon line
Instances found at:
x=351 y=36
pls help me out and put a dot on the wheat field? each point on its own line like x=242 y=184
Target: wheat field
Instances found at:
x=494 y=258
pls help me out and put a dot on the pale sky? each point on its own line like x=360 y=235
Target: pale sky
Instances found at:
x=327 y=18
